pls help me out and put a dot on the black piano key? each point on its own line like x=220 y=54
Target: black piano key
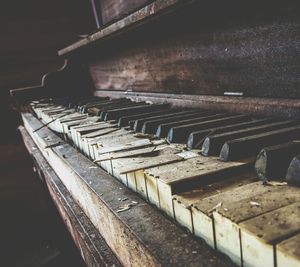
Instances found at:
x=102 y=112
x=124 y=121
x=195 y=139
x=163 y=129
x=84 y=106
x=213 y=144
x=272 y=162
x=151 y=127
x=293 y=172
x=251 y=145
x=138 y=124
x=180 y=134
x=76 y=103
x=116 y=114
x=100 y=104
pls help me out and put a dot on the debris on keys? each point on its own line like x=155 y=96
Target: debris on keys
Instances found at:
x=127 y=206
x=215 y=207
x=274 y=183
x=143 y=135
x=253 y=203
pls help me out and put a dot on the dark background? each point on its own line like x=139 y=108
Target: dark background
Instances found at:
x=31 y=33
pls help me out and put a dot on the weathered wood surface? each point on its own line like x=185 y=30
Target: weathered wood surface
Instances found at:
x=185 y=175
x=93 y=188
x=181 y=56
x=287 y=252
x=90 y=243
x=260 y=234
x=268 y=106
x=272 y=162
x=128 y=22
x=237 y=210
x=185 y=214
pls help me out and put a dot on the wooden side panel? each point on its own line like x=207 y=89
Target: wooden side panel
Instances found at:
x=208 y=51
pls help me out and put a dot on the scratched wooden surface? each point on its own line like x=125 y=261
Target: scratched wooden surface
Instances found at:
x=206 y=51
x=113 y=10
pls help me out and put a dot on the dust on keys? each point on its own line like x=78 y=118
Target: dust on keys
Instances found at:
x=198 y=167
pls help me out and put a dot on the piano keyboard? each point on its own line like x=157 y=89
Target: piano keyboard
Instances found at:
x=198 y=167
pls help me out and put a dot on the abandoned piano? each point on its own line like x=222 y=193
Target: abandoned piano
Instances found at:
x=170 y=137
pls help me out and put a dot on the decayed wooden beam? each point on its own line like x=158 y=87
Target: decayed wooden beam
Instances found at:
x=260 y=234
x=272 y=162
x=293 y=172
x=251 y=145
x=251 y=202
x=92 y=188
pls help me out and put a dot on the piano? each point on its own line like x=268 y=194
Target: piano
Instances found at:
x=171 y=135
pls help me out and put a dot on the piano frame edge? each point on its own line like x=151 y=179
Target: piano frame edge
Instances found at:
x=149 y=239
x=89 y=242
x=279 y=107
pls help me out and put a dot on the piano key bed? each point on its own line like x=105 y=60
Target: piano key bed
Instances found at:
x=227 y=178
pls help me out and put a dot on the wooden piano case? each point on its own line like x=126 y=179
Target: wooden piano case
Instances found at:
x=226 y=56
